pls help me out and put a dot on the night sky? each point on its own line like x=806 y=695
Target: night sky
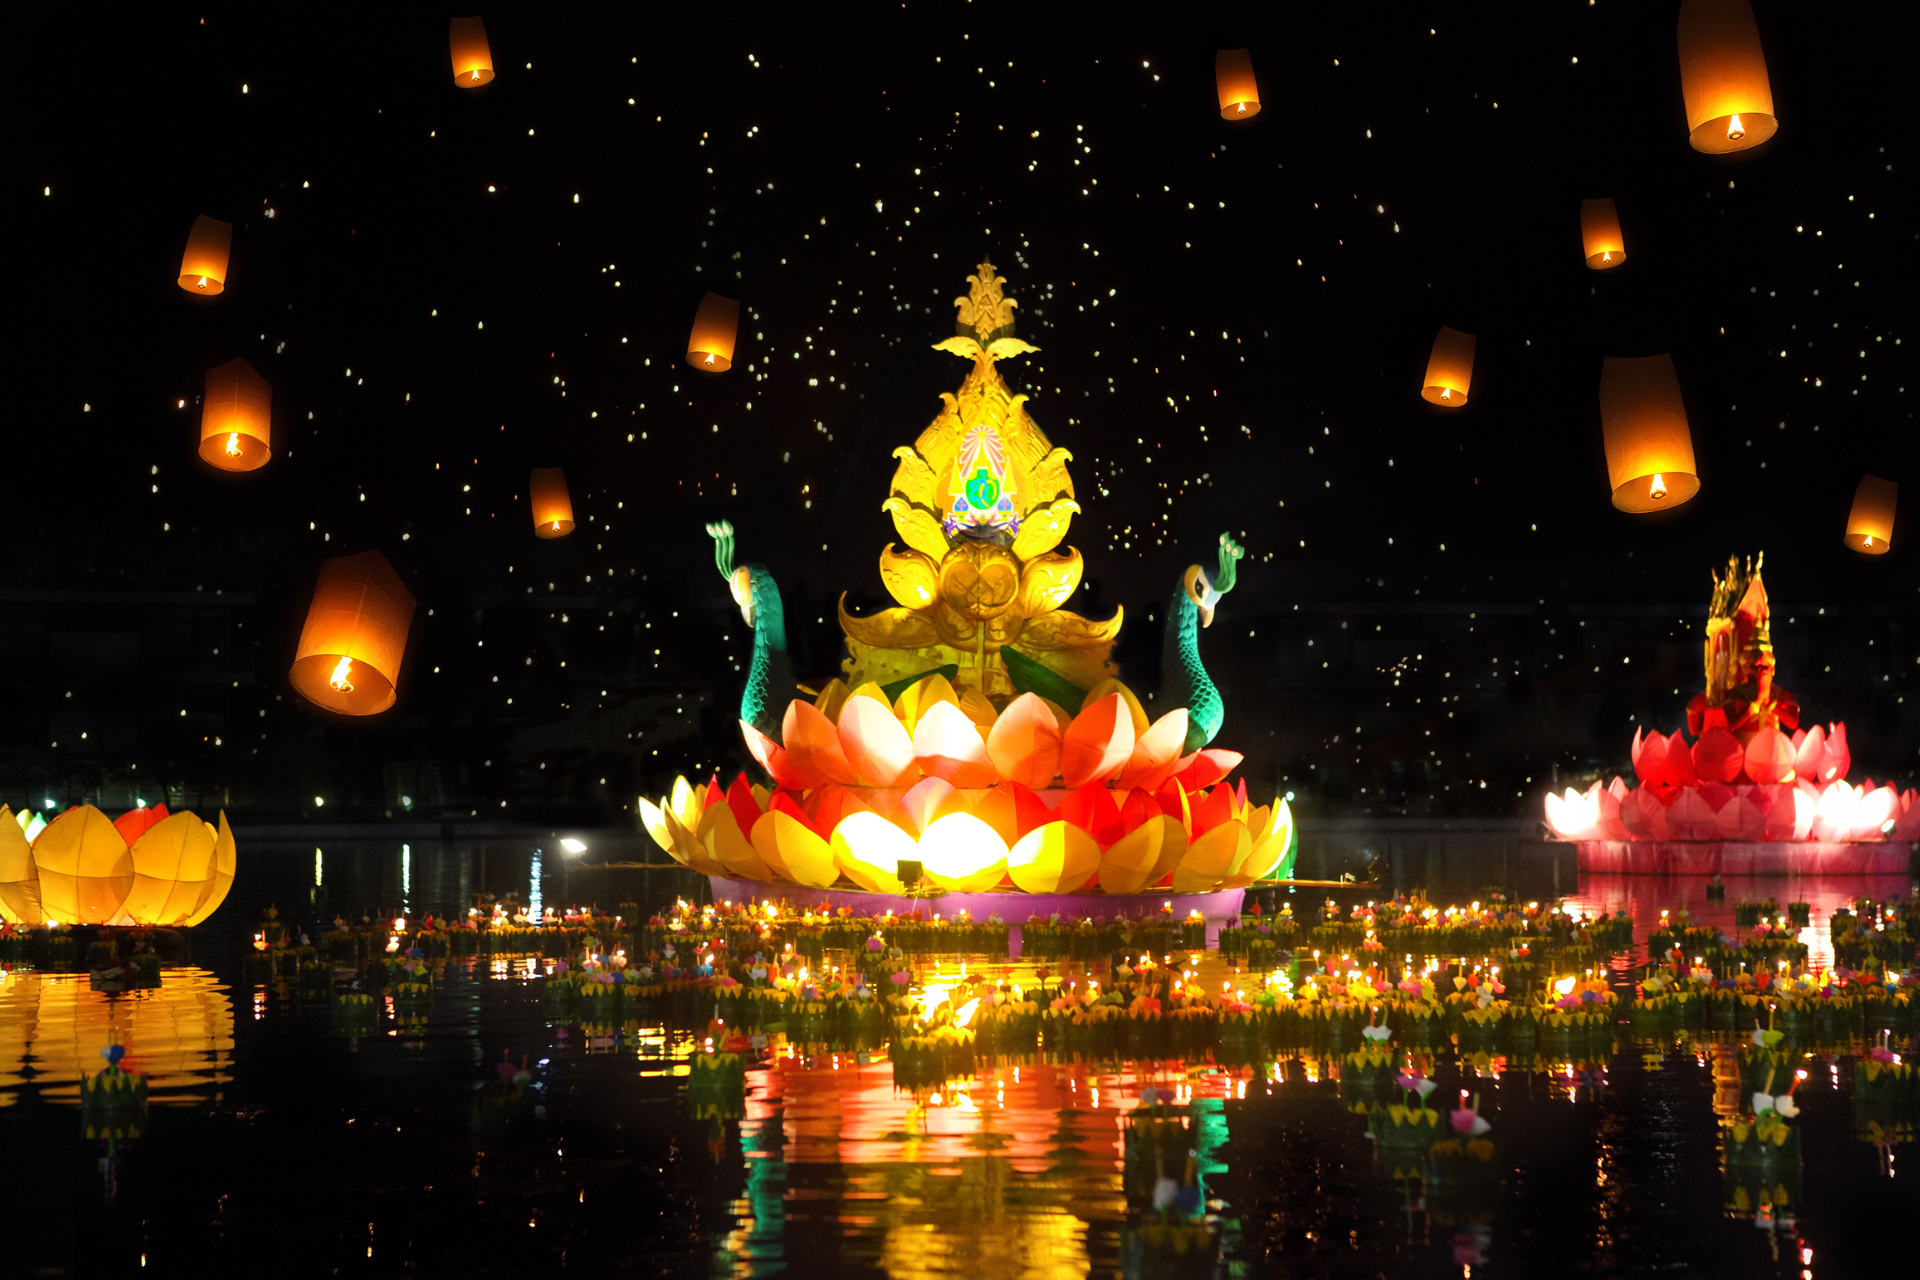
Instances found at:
x=447 y=287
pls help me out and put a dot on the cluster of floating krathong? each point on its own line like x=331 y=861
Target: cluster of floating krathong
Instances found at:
x=980 y=730
x=1776 y=788
x=146 y=867
x=940 y=778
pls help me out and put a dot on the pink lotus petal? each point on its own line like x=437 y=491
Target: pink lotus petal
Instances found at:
x=947 y=744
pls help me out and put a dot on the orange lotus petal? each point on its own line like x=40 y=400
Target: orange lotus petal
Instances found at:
x=813 y=744
x=805 y=857
x=999 y=808
x=1024 y=743
x=877 y=745
x=929 y=800
x=946 y=744
x=868 y=849
x=1207 y=766
x=726 y=844
x=1097 y=743
x=1056 y=858
x=1128 y=863
x=962 y=854
x=773 y=758
x=922 y=694
x=1092 y=809
x=1156 y=753
x=1136 y=714
x=761 y=837
x=827 y=808
x=85 y=868
x=1212 y=858
x=134 y=822
x=1030 y=810
x=1210 y=810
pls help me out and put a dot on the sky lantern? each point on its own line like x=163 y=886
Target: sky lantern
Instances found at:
x=203 y=267
x=715 y=325
x=1870 y=523
x=1723 y=76
x=472 y=59
x=552 y=506
x=1649 y=445
x=1239 y=94
x=1600 y=236
x=1449 y=369
x=349 y=655
x=236 y=432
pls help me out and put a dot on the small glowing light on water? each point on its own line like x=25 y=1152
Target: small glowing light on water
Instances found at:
x=406 y=872
x=319 y=866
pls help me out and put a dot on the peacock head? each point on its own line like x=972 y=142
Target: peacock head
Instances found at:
x=1204 y=592
x=739 y=580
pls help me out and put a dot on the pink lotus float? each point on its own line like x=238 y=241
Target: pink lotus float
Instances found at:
x=1776 y=788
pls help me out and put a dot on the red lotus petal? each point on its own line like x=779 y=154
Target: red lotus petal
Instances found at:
x=134 y=822
x=1209 y=765
x=1835 y=760
x=773 y=758
x=740 y=798
x=1210 y=812
x=1029 y=810
x=1718 y=755
x=1091 y=808
x=1770 y=757
x=1138 y=809
x=1808 y=749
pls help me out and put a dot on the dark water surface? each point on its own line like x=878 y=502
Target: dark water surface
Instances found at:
x=277 y=1145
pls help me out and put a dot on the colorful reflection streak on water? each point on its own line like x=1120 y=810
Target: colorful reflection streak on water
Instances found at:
x=178 y=1035
x=1647 y=896
x=1013 y=1171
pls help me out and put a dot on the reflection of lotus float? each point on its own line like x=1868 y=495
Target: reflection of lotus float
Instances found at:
x=146 y=867
x=980 y=731
x=1753 y=792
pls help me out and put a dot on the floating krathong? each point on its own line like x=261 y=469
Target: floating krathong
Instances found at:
x=980 y=730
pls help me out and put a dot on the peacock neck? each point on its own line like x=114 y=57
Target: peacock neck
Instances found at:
x=1186 y=674
x=768 y=670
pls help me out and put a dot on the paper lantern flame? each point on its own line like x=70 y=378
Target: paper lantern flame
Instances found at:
x=1649 y=447
x=1233 y=77
x=1449 y=369
x=1723 y=76
x=715 y=326
x=203 y=267
x=552 y=504
x=236 y=418
x=1600 y=237
x=472 y=58
x=1870 y=522
x=361 y=613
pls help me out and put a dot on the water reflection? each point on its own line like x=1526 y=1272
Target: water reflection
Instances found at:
x=179 y=1035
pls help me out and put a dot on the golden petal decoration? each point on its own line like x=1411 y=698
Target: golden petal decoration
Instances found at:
x=1173 y=847
x=911 y=576
x=767 y=845
x=917 y=526
x=1043 y=529
x=654 y=820
x=868 y=849
x=1047 y=582
x=1213 y=857
x=920 y=695
x=685 y=803
x=805 y=858
x=962 y=854
x=724 y=842
x=1056 y=858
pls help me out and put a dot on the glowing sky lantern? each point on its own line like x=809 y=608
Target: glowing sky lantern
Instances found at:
x=1723 y=76
x=236 y=431
x=715 y=326
x=1449 y=369
x=1650 y=463
x=472 y=58
x=203 y=267
x=1233 y=75
x=1600 y=236
x=349 y=655
x=552 y=505
x=1870 y=523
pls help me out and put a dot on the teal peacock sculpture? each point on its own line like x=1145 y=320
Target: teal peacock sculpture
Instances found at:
x=1185 y=679
x=770 y=673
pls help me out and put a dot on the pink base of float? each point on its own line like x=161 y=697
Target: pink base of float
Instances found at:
x=1745 y=857
x=1014 y=908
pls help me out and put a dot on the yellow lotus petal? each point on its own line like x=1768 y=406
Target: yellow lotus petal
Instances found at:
x=878 y=746
x=720 y=834
x=1173 y=847
x=685 y=802
x=226 y=860
x=946 y=744
x=1056 y=858
x=807 y=858
x=19 y=883
x=767 y=845
x=1213 y=857
x=832 y=698
x=963 y=854
x=1024 y=743
x=85 y=867
x=923 y=693
x=1125 y=865
x=172 y=862
x=688 y=849
x=655 y=823
x=1135 y=712
x=978 y=709
x=868 y=849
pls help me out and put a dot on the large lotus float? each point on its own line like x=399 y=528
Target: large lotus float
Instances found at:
x=980 y=746
x=146 y=867
x=1754 y=792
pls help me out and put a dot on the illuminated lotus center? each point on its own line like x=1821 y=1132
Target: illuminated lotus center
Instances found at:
x=339 y=679
x=1735 y=130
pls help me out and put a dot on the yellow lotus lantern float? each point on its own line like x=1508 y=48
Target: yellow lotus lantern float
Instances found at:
x=980 y=730
x=146 y=867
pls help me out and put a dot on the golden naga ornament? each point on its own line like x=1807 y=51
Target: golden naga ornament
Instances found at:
x=982 y=502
